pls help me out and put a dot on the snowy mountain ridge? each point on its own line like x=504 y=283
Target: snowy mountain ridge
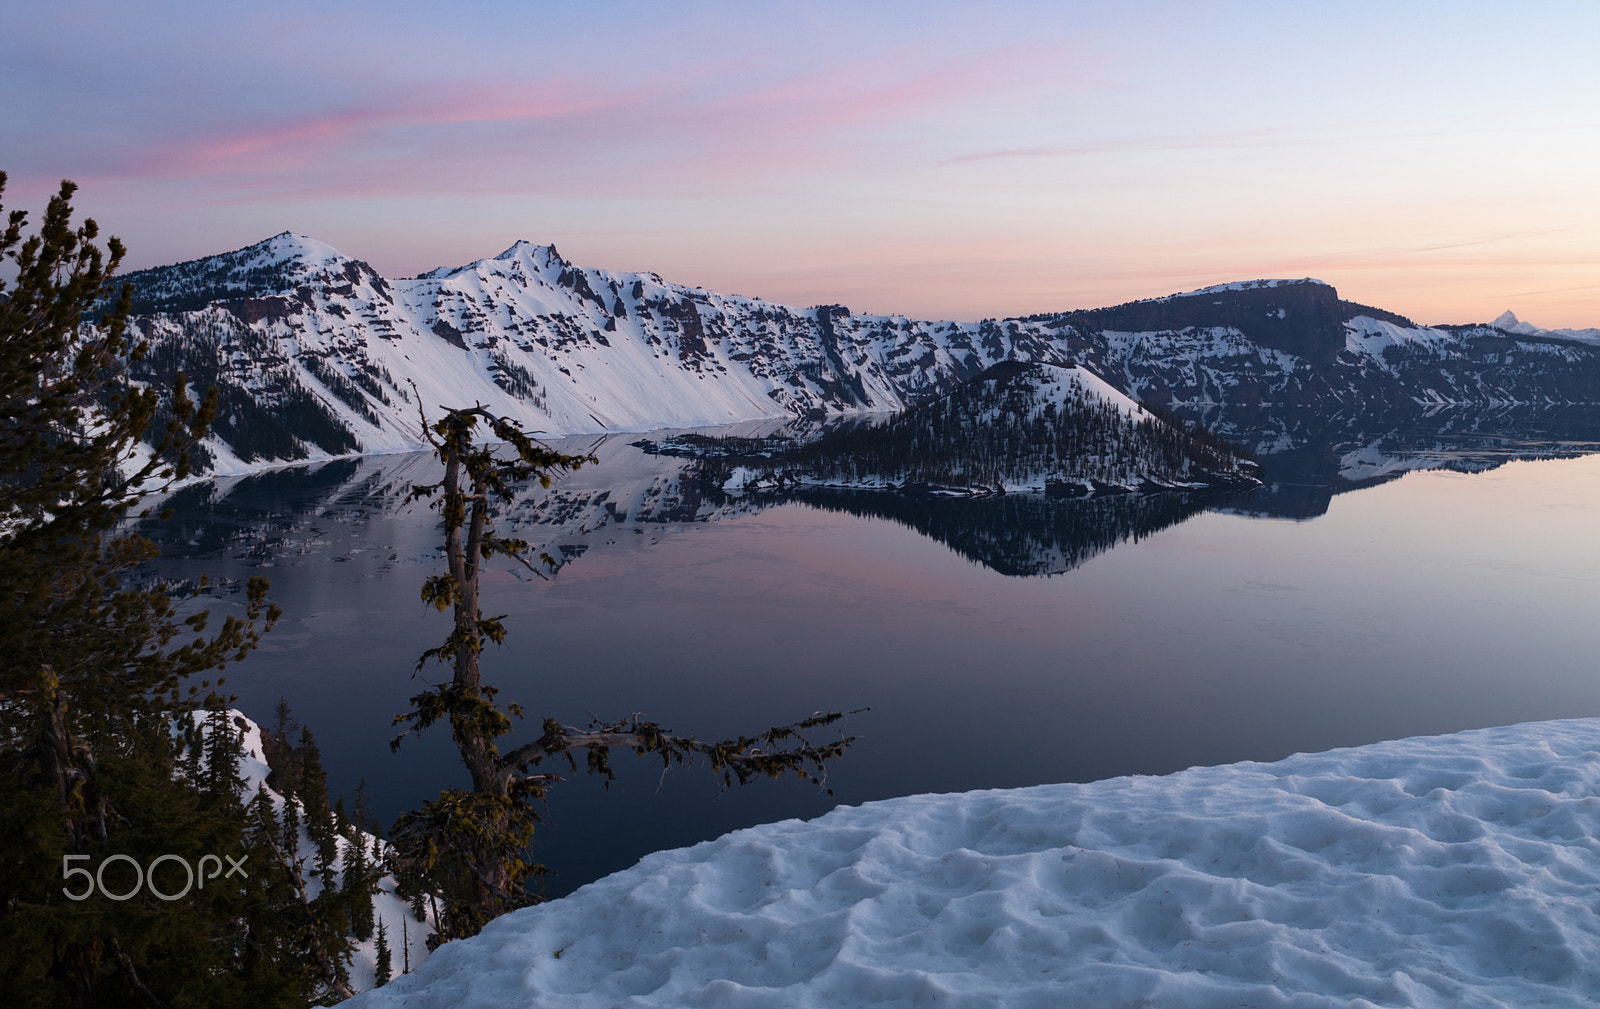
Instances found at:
x=317 y=355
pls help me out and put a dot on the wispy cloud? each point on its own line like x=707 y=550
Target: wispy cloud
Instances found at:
x=305 y=142
x=1550 y=290
x=1404 y=257
x=1509 y=236
x=1193 y=142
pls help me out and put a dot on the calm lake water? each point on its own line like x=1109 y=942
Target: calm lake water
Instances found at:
x=1431 y=603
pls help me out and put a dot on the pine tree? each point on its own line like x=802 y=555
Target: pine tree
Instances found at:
x=385 y=968
x=290 y=837
x=92 y=679
x=357 y=890
x=469 y=845
x=314 y=794
x=224 y=746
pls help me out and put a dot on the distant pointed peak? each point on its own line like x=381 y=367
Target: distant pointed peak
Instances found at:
x=1506 y=320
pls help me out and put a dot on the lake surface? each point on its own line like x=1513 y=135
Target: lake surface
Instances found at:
x=1430 y=603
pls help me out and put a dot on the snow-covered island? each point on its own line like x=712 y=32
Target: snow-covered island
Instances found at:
x=1016 y=427
x=1458 y=871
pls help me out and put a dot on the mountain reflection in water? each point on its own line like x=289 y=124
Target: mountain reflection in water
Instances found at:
x=281 y=514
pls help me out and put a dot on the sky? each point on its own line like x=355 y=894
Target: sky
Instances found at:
x=938 y=160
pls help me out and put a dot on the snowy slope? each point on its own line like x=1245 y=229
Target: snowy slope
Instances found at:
x=1453 y=871
x=1057 y=387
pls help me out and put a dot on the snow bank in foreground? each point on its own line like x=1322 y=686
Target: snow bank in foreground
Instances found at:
x=1453 y=871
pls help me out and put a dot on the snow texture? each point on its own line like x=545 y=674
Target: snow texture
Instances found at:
x=1456 y=871
x=1060 y=386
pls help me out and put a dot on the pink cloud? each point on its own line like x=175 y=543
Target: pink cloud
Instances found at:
x=573 y=136
x=304 y=143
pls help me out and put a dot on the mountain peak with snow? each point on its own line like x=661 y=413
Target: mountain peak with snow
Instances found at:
x=1506 y=320
x=289 y=247
x=318 y=354
x=271 y=267
x=1303 y=317
x=530 y=256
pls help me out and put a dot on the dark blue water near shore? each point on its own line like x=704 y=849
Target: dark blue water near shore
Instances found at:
x=1430 y=603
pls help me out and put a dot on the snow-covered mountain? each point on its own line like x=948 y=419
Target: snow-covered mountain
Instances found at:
x=316 y=355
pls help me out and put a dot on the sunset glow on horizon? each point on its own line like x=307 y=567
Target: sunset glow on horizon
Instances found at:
x=932 y=160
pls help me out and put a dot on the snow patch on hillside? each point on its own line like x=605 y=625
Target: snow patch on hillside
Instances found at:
x=1237 y=285
x=1370 y=338
x=1060 y=386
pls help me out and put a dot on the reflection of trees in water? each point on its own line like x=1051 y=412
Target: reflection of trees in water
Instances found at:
x=1022 y=534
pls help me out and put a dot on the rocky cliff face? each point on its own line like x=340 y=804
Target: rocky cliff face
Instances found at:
x=317 y=355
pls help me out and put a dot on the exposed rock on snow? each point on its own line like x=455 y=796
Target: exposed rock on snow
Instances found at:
x=1451 y=871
